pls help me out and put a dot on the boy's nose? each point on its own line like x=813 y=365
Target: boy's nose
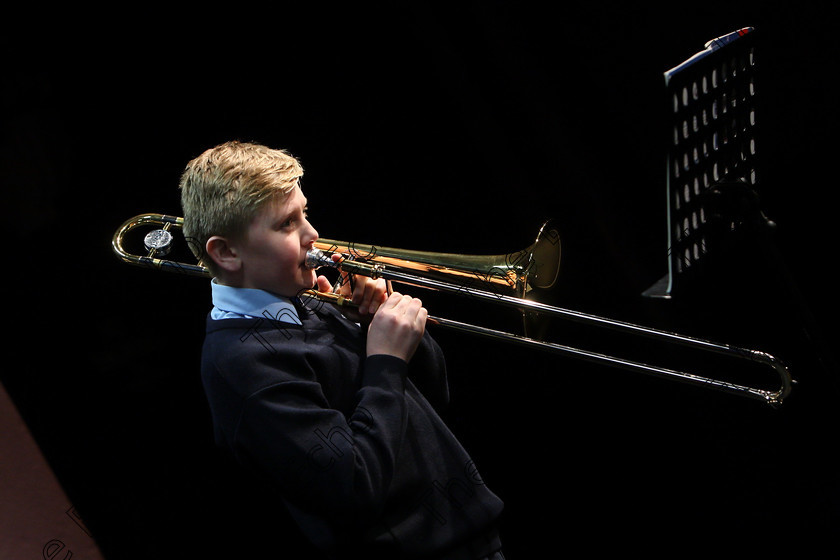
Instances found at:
x=313 y=234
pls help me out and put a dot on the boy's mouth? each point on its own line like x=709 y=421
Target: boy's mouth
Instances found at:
x=305 y=266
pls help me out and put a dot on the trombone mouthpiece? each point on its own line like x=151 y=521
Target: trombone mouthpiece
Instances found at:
x=316 y=258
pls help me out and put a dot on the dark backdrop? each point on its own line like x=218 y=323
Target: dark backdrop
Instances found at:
x=458 y=127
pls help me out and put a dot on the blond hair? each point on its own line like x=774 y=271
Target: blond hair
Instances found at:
x=223 y=189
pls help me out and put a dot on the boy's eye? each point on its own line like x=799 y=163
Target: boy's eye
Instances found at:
x=291 y=220
x=284 y=224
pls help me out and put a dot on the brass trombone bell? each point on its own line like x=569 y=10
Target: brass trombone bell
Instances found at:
x=536 y=266
x=500 y=280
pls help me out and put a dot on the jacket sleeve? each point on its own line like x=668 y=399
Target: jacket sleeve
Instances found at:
x=427 y=370
x=323 y=462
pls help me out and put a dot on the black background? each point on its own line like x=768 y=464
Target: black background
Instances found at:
x=457 y=127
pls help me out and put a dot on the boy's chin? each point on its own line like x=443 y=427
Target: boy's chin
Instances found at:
x=308 y=279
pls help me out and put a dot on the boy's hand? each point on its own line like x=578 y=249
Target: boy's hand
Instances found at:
x=397 y=327
x=368 y=294
x=396 y=322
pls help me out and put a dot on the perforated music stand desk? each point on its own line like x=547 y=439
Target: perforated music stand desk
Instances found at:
x=711 y=129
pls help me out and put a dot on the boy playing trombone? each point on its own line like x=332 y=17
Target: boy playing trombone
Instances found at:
x=337 y=414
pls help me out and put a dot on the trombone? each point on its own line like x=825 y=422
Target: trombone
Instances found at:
x=502 y=280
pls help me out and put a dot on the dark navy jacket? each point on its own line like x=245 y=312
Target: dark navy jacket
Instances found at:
x=353 y=444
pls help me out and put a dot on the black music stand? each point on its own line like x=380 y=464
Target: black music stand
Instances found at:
x=711 y=163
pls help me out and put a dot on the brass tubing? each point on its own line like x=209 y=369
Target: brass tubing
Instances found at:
x=512 y=273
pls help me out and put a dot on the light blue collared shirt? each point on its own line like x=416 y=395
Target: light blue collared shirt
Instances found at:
x=239 y=303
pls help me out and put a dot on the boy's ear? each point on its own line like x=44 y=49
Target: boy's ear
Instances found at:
x=223 y=253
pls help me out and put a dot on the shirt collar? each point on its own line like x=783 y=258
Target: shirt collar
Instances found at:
x=230 y=302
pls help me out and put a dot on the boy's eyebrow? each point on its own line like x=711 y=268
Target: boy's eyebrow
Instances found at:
x=287 y=213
